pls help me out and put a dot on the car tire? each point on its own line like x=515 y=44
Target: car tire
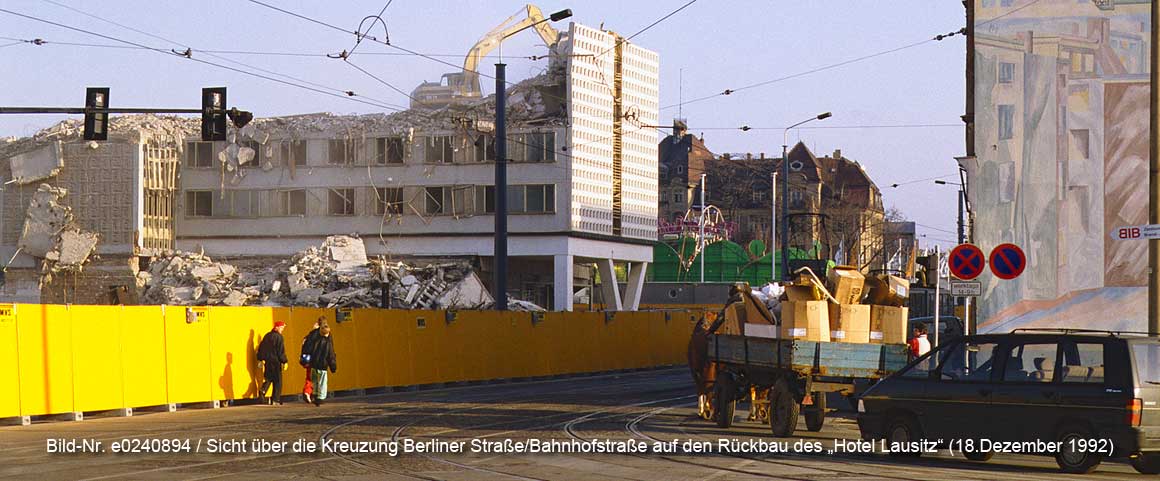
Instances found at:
x=816 y=414
x=783 y=410
x=903 y=429
x=1075 y=462
x=723 y=411
x=978 y=455
x=1147 y=463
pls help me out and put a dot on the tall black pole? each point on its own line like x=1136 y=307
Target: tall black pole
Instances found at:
x=784 y=213
x=1154 y=179
x=501 y=209
x=962 y=226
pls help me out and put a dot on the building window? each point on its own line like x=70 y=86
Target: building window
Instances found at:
x=757 y=196
x=340 y=202
x=293 y=152
x=293 y=202
x=199 y=203
x=1006 y=182
x=532 y=147
x=796 y=199
x=389 y=201
x=245 y=203
x=439 y=149
x=199 y=155
x=680 y=169
x=257 y=160
x=1006 y=72
x=1006 y=122
x=435 y=201
x=679 y=197
x=522 y=199
x=341 y=152
x=388 y=150
x=484 y=149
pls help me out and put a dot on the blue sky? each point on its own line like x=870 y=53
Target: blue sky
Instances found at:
x=714 y=45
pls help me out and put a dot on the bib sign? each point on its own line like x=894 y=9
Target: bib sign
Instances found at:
x=1131 y=232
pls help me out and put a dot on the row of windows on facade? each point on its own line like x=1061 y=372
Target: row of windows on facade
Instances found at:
x=429 y=200
x=528 y=147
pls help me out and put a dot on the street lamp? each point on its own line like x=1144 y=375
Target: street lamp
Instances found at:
x=501 y=210
x=785 y=192
x=962 y=195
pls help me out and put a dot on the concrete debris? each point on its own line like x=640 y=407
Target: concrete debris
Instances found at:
x=518 y=305
x=73 y=249
x=46 y=217
x=37 y=165
x=335 y=274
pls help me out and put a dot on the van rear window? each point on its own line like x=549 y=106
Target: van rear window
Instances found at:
x=1147 y=362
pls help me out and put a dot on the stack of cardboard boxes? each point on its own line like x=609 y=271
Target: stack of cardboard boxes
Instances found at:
x=835 y=311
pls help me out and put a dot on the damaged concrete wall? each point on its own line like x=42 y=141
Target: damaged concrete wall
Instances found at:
x=37 y=165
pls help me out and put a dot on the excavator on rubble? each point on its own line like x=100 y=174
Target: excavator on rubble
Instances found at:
x=464 y=86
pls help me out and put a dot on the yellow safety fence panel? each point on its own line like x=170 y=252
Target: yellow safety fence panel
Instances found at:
x=10 y=357
x=94 y=358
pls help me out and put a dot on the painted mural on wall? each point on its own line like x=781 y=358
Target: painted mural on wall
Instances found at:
x=1061 y=140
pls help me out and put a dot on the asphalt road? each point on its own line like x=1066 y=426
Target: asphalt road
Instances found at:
x=613 y=411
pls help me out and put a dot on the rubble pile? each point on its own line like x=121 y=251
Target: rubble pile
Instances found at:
x=50 y=233
x=187 y=278
x=334 y=274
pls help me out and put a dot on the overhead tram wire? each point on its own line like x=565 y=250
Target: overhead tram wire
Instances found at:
x=206 y=62
x=746 y=128
x=899 y=184
x=651 y=25
x=189 y=52
x=818 y=69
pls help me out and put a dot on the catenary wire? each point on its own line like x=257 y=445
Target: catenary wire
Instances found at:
x=814 y=70
x=189 y=51
x=651 y=25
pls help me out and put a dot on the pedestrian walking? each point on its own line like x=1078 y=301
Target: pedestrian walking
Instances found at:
x=272 y=355
x=304 y=356
x=322 y=358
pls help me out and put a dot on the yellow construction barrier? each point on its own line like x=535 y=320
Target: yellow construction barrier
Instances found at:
x=96 y=358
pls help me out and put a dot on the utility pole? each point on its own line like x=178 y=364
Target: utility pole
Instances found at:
x=773 y=226
x=501 y=243
x=1154 y=179
x=701 y=251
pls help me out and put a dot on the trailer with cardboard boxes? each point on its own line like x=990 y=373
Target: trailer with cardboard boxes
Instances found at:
x=825 y=340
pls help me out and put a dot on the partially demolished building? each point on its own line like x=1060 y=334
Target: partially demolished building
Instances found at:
x=415 y=184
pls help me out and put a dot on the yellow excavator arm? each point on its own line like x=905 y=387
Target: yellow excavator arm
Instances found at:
x=530 y=15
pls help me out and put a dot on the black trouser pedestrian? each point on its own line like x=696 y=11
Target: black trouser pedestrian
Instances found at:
x=273 y=375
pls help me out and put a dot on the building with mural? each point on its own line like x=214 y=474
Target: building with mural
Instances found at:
x=1060 y=158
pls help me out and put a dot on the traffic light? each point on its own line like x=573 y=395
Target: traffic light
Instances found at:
x=928 y=276
x=213 y=114
x=96 y=124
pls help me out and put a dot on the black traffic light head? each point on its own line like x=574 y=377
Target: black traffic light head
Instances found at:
x=96 y=124
x=213 y=114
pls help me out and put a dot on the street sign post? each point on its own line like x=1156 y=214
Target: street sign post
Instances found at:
x=966 y=261
x=1007 y=261
x=1133 y=232
x=966 y=288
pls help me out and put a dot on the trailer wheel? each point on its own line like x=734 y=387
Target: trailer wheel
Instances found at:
x=816 y=414
x=783 y=409
x=724 y=406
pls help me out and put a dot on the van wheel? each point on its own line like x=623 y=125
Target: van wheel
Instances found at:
x=1073 y=461
x=903 y=431
x=724 y=409
x=1147 y=463
x=816 y=414
x=978 y=455
x=783 y=410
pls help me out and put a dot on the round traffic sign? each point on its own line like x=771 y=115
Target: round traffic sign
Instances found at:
x=1007 y=261
x=966 y=261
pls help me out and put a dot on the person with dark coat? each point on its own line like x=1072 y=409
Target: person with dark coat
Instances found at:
x=307 y=348
x=272 y=355
x=322 y=358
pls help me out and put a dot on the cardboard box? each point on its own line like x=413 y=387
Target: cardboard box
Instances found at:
x=805 y=320
x=802 y=293
x=845 y=284
x=753 y=329
x=850 y=323
x=888 y=324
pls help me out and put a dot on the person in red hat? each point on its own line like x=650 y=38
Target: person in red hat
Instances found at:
x=272 y=355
